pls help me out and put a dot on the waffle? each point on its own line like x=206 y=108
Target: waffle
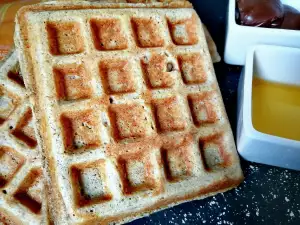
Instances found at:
x=211 y=44
x=129 y=114
x=21 y=176
x=215 y=56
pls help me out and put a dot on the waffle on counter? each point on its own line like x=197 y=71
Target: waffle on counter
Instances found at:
x=22 y=197
x=128 y=114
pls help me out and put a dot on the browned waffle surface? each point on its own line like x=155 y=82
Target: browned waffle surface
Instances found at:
x=128 y=108
x=22 y=198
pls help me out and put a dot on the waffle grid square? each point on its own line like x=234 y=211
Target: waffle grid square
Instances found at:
x=108 y=34
x=147 y=32
x=11 y=162
x=64 y=38
x=137 y=173
x=80 y=130
x=24 y=130
x=158 y=71
x=116 y=76
x=129 y=121
x=94 y=171
x=72 y=82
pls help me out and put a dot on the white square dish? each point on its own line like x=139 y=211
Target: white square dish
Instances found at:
x=277 y=64
x=239 y=38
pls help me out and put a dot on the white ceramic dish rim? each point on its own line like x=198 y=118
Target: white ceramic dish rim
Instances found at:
x=232 y=10
x=247 y=106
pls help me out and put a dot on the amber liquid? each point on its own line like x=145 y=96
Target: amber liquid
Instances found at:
x=276 y=108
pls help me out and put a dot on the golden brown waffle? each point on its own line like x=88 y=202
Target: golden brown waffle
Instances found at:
x=22 y=199
x=129 y=113
x=210 y=42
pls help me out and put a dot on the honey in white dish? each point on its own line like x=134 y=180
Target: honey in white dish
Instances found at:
x=276 y=108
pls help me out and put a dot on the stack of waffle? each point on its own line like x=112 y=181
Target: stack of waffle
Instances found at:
x=22 y=196
x=126 y=109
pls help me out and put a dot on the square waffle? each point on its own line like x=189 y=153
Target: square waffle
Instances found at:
x=129 y=114
x=22 y=196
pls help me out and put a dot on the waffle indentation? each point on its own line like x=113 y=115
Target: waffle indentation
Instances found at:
x=158 y=71
x=30 y=191
x=130 y=121
x=137 y=173
x=80 y=130
x=213 y=152
x=89 y=183
x=108 y=34
x=64 y=38
x=117 y=76
x=202 y=108
x=10 y=163
x=184 y=32
x=8 y=103
x=169 y=115
x=24 y=130
x=72 y=82
x=178 y=158
x=147 y=32
x=192 y=69
x=16 y=76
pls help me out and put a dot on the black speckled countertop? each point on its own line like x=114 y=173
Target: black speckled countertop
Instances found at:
x=269 y=195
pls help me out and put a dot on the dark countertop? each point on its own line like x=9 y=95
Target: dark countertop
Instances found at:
x=269 y=195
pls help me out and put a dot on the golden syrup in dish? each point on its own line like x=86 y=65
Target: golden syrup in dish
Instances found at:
x=276 y=108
